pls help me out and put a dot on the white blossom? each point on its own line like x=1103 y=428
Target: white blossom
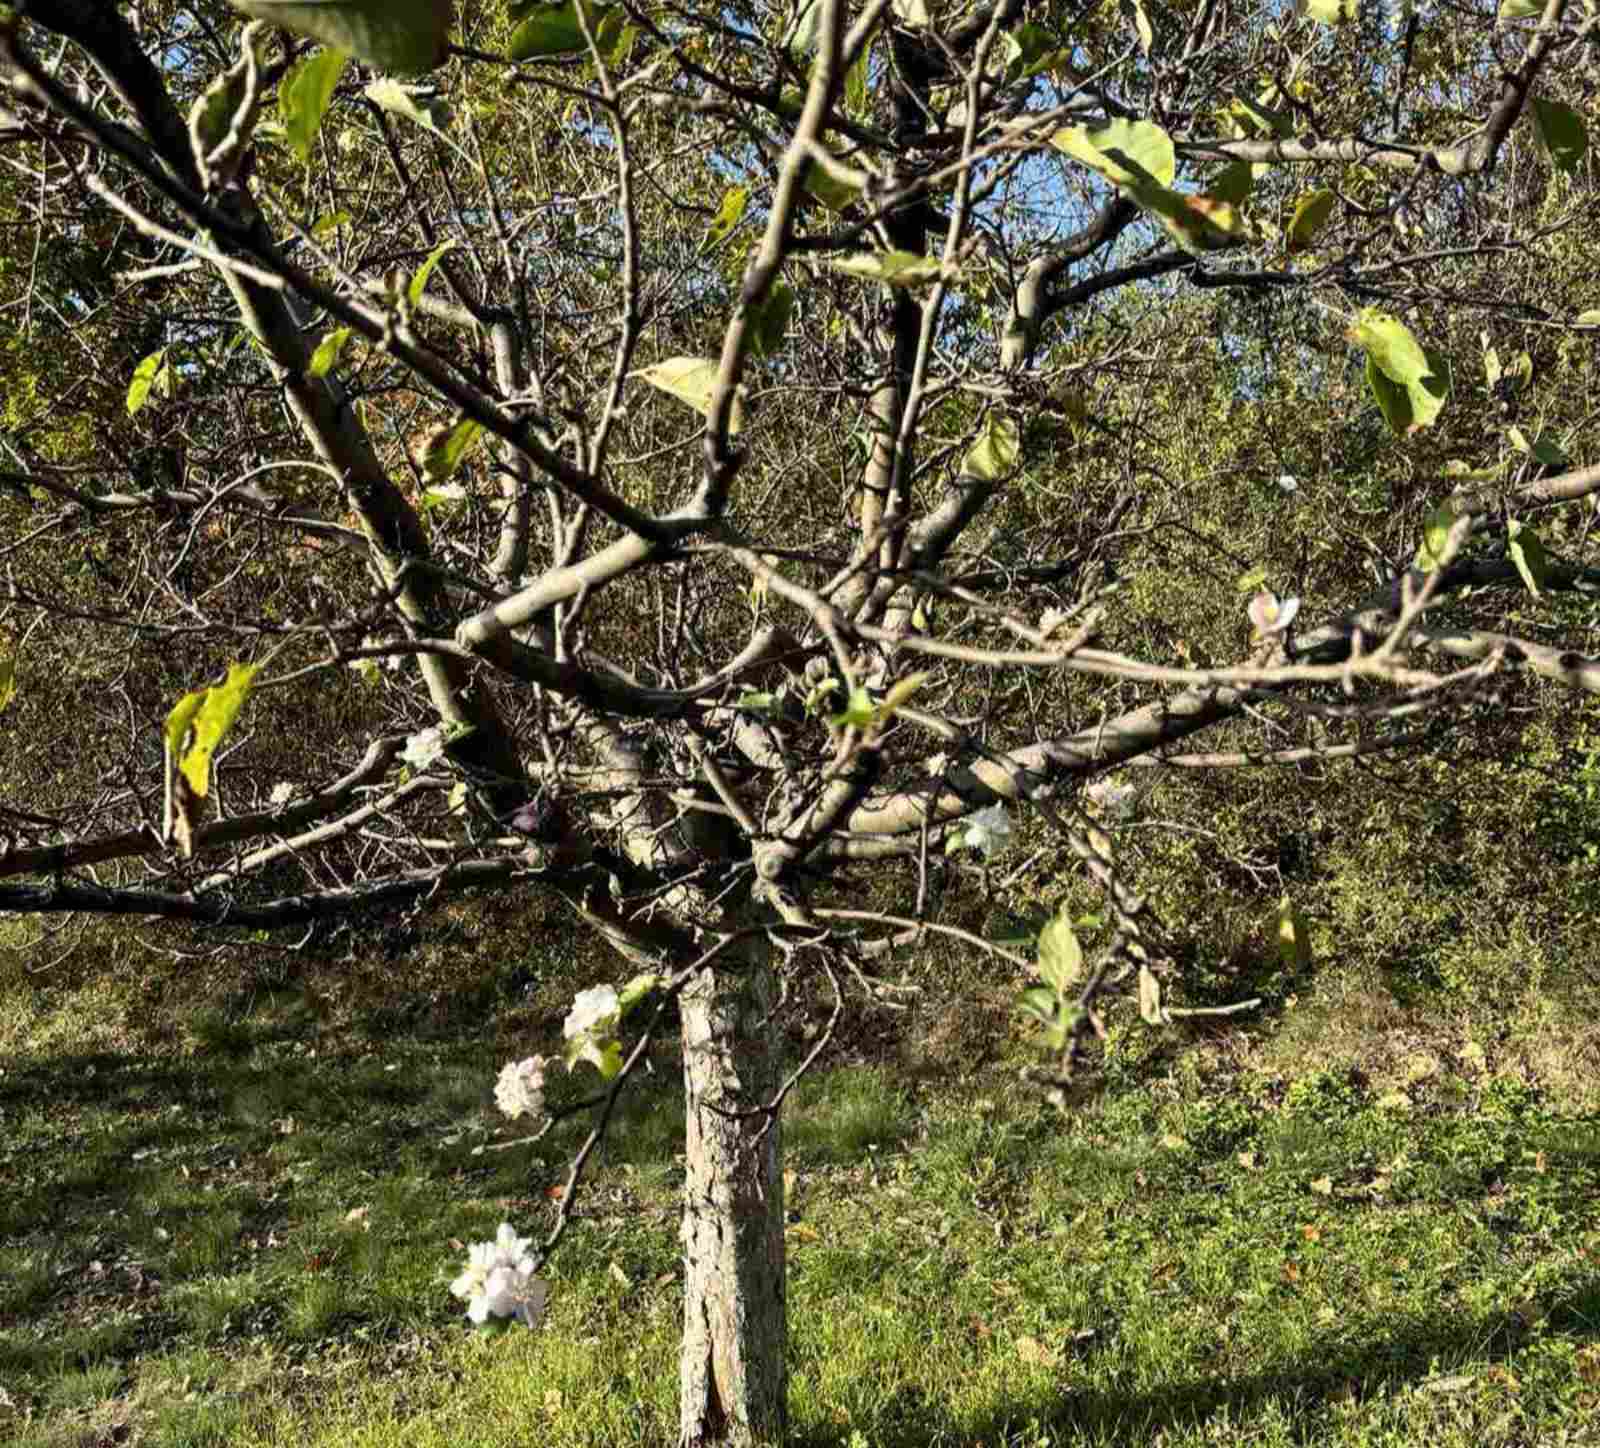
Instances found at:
x=282 y=792
x=988 y=831
x=1288 y=482
x=520 y=1089
x=422 y=749
x=499 y=1281
x=1269 y=616
x=591 y=1008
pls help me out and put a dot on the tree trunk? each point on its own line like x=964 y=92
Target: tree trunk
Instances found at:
x=734 y=1328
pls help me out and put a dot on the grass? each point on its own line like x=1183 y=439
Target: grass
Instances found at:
x=233 y=1221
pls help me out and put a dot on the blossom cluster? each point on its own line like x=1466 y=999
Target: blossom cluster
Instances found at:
x=520 y=1089
x=499 y=1281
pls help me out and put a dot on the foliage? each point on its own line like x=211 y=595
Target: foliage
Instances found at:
x=736 y=472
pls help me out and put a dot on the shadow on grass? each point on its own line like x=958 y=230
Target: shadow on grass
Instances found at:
x=1327 y=1373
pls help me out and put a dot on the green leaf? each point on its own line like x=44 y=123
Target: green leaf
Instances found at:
x=857 y=82
x=304 y=95
x=1294 y=941
x=547 y=30
x=692 y=380
x=996 y=451
x=1122 y=151
x=770 y=320
x=1039 y=1003
x=326 y=357
x=1267 y=119
x=205 y=717
x=1561 y=133
x=446 y=450
x=1541 y=449
x=1233 y=184
x=859 y=712
x=1527 y=552
x=8 y=682
x=729 y=213
x=1253 y=580
x=222 y=119
x=419 y=283
x=836 y=195
x=1435 y=536
x=1520 y=9
x=900 y=692
x=324 y=226
x=1060 y=961
x=399 y=35
x=1389 y=342
x=1030 y=49
x=636 y=991
x=1311 y=214
x=757 y=702
x=418 y=104
x=1587 y=319
x=893 y=268
x=149 y=374
x=1408 y=382
x=604 y=1055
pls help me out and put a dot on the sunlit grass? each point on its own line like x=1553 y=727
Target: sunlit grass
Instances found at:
x=1349 y=1225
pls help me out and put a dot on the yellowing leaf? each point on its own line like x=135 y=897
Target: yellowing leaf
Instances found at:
x=151 y=373
x=8 y=682
x=1141 y=23
x=1323 y=1186
x=1311 y=213
x=1122 y=151
x=1294 y=941
x=1150 y=998
x=893 y=268
x=729 y=213
x=692 y=380
x=397 y=35
x=1329 y=12
x=204 y=718
x=996 y=451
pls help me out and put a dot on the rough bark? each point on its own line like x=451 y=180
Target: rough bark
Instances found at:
x=735 y=1327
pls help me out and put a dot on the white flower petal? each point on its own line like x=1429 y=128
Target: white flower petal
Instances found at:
x=589 y=1009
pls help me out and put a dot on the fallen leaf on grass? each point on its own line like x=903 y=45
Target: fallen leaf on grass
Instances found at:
x=1031 y=1350
x=1323 y=1186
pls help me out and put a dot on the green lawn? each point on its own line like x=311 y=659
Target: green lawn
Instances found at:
x=234 y=1222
